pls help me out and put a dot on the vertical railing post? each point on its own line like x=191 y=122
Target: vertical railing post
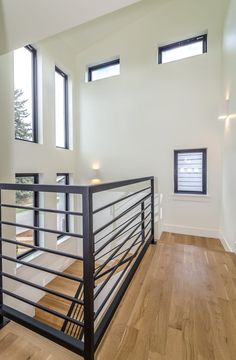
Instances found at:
x=88 y=267
x=152 y=211
x=142 y=221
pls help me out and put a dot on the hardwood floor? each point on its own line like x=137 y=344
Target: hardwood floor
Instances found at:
x=181 y=305
x=204 y=242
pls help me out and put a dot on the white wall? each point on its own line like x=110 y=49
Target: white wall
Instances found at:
x=6 y=115
x=228 y=228
x=132 y=123
x=6 y=149
x=43 y=158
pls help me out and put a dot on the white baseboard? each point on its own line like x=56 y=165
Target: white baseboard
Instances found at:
x=188 y=230
x=224 y=242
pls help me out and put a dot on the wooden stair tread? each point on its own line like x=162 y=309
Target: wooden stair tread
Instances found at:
x=50 y=320
x=68 y=287
x=64 y=286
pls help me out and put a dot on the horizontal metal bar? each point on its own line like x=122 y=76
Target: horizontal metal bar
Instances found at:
x=42 y=288
x=41 y=307
x=24 y=226
x=119 y=200
x=74 y=189
x=115 y=236
x=113 y=287
x=129 y=228
x=111 y=268
x=117 y=184
x=115 y=252
x=122 y=252
x=139 y=242
x=66 y=212
x=108 y=252
x=68 y=189
x=123 y=213
x=109 y=233
x=134 y=236
x=39 y=248
x=119 y=295
x=40 y=328
x=50 y=271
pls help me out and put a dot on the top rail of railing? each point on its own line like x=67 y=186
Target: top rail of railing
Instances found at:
x=73 y=189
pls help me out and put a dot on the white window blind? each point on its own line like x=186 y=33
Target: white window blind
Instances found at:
x=190 y=171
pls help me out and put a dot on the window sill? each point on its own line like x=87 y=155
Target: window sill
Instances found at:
x=63 y=239
x=29 y=258
x=37 y=253
x=191 y=197
x=28 y=141
x=62 y=148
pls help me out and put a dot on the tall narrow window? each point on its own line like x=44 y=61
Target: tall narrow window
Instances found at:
x=62 y=205
x=190 y=171
x=182 y=49
x=26 y=217
x=25 y=94
x=61 y=109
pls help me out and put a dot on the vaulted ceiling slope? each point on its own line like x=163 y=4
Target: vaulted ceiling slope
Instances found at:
x=29 y=21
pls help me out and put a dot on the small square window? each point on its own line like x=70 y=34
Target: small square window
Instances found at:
x=105 y=70
x=182 y=49
x=190 y=171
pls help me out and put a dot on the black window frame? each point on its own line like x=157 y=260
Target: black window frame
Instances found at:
x=101 y=66
x=36 y=239
x=34 y=96
x=181 y=43
x=66 y=113
x=204 y=171
x=67 y=203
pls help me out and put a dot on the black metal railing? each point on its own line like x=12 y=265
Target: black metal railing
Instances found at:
x=109 y=237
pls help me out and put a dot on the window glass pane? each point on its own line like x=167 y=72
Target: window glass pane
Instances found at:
x=61 y=205
x=23 y=94
x=24 y=216
x=182 y=52
x=60 y=110
x=105 y=72
x=190 y=172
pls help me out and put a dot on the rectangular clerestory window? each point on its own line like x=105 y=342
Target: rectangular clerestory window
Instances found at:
x=104 y=70
x=182 y=49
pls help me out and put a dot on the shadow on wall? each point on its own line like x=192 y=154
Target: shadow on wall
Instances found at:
x=3 y=37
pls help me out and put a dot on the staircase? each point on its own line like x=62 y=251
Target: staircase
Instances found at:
x=66 y=307
x=68 y=287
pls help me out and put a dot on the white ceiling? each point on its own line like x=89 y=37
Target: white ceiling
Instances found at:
x=29 y=21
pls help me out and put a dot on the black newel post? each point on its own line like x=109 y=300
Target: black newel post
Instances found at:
x=88 y=263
